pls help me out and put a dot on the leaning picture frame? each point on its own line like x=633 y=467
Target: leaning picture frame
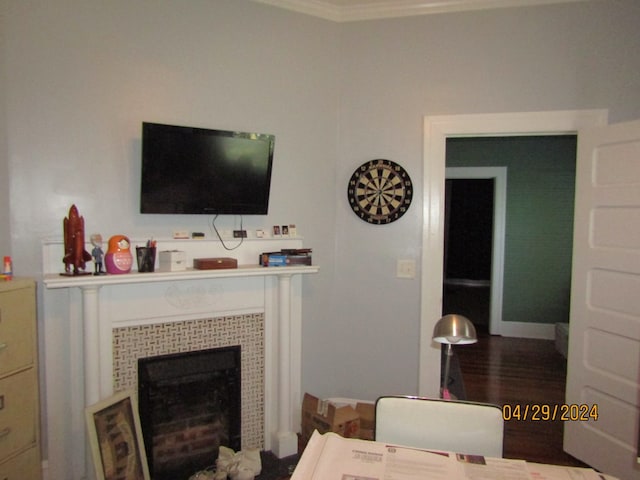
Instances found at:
x=115 y=438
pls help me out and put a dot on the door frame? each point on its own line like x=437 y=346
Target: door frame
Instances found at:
x=499 y=177
x=436 y=131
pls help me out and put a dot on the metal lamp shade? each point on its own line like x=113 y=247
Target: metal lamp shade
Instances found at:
x=454 y=329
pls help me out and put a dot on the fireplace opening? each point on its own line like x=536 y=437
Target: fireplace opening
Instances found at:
x=189 y=405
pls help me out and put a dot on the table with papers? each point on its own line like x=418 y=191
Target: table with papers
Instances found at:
x=332 y=457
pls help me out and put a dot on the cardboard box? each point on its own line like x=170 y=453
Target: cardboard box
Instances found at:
x=274 y=260
x=367 y=412
x=325 y=416
x=172 y=261
x=365 y=409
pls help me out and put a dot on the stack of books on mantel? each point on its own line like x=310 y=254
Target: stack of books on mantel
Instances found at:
x=286 y=257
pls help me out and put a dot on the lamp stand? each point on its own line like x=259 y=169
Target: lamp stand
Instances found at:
x=444 y=392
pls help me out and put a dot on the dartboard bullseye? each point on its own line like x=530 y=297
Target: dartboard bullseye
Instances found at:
x=380 y=191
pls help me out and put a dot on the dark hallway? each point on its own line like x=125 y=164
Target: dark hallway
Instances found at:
x=468 y=245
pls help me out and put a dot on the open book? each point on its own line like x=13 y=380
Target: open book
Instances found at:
x=332 y=457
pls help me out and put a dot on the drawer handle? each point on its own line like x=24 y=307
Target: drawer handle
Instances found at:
x=3 y=346
x=5 y=432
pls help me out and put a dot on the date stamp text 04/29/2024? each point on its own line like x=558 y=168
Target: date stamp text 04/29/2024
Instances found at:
x=540 y=412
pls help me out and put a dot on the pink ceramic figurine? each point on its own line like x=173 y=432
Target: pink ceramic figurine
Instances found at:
x=118 y=258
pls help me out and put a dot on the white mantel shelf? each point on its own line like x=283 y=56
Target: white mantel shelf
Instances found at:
x=63 y=281
x=78 y=334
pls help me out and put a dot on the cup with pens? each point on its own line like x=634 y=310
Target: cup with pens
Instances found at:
x=146 y=256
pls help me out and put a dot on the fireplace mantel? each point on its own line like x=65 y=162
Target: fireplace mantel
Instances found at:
x=95 y=305
x=86 y=281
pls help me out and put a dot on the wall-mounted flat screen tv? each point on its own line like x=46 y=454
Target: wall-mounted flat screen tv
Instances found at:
x=188 y=170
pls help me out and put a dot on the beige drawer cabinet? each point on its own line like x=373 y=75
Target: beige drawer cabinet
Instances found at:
x=19 y=405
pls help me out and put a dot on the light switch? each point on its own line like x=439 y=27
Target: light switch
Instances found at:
x=406 y=269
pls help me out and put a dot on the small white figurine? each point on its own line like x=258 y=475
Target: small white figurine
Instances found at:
x=97 y=253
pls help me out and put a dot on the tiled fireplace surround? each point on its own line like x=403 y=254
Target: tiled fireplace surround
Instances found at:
x=247 y=331
x=147 y=314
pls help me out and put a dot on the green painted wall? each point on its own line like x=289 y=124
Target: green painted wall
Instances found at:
x=539 y=219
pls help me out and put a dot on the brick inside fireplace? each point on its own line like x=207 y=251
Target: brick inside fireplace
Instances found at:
x=189 y=406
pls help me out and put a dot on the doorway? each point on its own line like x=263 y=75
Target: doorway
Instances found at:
x=436 y=131
x=468 y=223
x=475 y=209
x=538 y=228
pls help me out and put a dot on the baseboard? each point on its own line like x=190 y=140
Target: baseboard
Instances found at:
x=544 y=331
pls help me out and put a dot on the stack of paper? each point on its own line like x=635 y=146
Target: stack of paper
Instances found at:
x=331 y=457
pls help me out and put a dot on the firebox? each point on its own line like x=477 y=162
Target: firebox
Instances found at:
x=190 y=405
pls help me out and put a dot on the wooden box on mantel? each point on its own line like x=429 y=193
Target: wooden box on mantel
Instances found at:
x=215 y=263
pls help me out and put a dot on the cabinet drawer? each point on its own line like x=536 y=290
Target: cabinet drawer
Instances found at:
x=17 y=412
x=24 y=466
x=17 y=329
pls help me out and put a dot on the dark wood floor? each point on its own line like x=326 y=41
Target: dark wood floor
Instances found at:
x=517 y=371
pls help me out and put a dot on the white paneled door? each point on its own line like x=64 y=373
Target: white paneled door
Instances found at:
x=603 y=389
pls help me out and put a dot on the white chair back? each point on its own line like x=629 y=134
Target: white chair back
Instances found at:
x=449 y=425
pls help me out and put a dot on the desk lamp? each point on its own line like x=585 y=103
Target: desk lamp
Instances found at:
x=449 y=330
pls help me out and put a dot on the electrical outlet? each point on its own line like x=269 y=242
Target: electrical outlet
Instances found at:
x=406 y=269
x=180 y=234
x=239 y=234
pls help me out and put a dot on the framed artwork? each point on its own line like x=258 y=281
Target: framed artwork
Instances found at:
x=115 y=437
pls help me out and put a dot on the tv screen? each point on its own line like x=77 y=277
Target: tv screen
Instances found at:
x=188 y=170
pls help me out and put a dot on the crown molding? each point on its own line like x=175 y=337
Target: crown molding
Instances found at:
x=343 y=11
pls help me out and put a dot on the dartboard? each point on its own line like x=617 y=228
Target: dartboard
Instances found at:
x=380 y=191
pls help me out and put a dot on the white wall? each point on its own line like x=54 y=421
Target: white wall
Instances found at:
x=561 y=57
x=81 y=75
